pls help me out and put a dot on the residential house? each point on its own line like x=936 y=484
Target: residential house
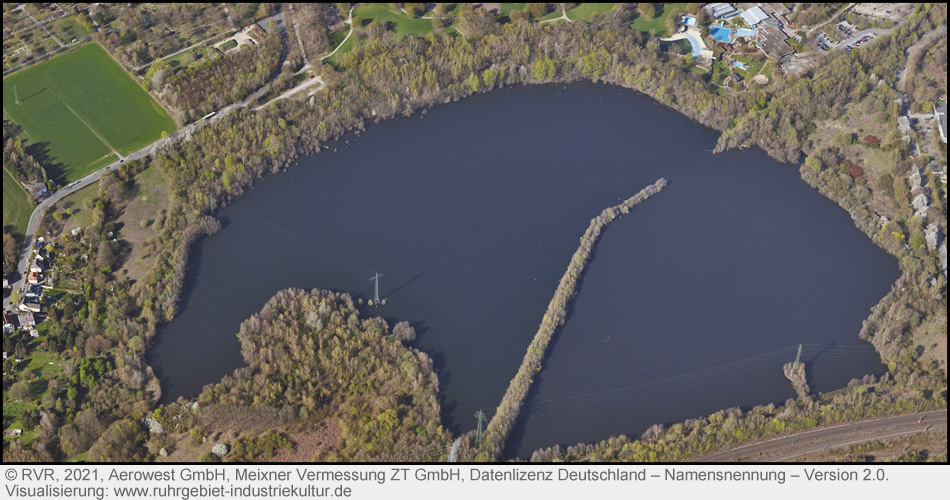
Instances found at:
x=26 y=320
x=34 y=278
x=36 y=190
x=32 y=307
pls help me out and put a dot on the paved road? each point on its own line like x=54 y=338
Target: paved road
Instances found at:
x=818 y=440
x=24 y=263
x=28 y=243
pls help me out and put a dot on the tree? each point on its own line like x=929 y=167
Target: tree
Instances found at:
x=122 y=442
x=30 y=419
x=404 y=332
x=20 y=391
x=414 y=9
x=534 y=10
x=646 y=10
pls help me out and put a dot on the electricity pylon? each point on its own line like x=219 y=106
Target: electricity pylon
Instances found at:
x=376 y=295
x=480 y=415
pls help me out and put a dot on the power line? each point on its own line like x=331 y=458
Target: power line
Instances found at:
x=311 y=247
x=773 y=358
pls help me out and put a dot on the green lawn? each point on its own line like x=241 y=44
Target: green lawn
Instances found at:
x=81 y=106
x=82 y=216
x=585 y=10
x=12 y=415
x=337 y=36
x=404 y=25
x=181 y=61
x=337 y=58
x=506 y=8
x=554 y=14
x=67 y=28
x=658 y=23
x=754 y=66
x=16 y=205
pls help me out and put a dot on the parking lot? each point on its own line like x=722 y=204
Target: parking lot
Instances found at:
x=846 y=28
x=824 y=42
x=860 y=38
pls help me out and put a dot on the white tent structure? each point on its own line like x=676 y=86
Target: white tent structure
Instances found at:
x=754 y=16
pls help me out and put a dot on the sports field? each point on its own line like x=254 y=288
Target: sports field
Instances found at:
x=82 y=106
x=16 y=206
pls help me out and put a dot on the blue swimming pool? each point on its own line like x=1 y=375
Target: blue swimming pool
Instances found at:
x=720 y=33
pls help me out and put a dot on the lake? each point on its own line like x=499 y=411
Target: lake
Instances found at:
x=472 y=213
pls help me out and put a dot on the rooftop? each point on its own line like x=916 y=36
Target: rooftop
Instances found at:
x=754 y=16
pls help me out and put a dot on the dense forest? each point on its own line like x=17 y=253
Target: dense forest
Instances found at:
x=310 y=355
x=114 y=319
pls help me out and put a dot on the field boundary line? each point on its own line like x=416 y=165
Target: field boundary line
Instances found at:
x=83 y=120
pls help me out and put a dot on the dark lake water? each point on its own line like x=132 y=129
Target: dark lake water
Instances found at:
x=473 y=212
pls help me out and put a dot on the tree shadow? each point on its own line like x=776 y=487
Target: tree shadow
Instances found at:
x=55 y=170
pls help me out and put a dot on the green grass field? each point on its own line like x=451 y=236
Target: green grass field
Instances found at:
x=68 y=28
x=337 y=58
x=585 y=10
x=554 y=14
x=16 y=206
x=506 y=8
x=81 y=216
x=658 y=23
x=336 y=36
x=81 y=106
x=404 y=25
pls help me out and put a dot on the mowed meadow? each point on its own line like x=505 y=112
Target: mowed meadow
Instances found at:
x=81 y=108
x=16 y=206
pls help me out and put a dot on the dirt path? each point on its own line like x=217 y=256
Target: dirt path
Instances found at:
x=563 y=16
x=296 y=90
x=914 y=50
x=818 y=440
x=349 y=20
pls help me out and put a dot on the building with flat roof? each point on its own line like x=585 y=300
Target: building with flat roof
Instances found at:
x=722 y=10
